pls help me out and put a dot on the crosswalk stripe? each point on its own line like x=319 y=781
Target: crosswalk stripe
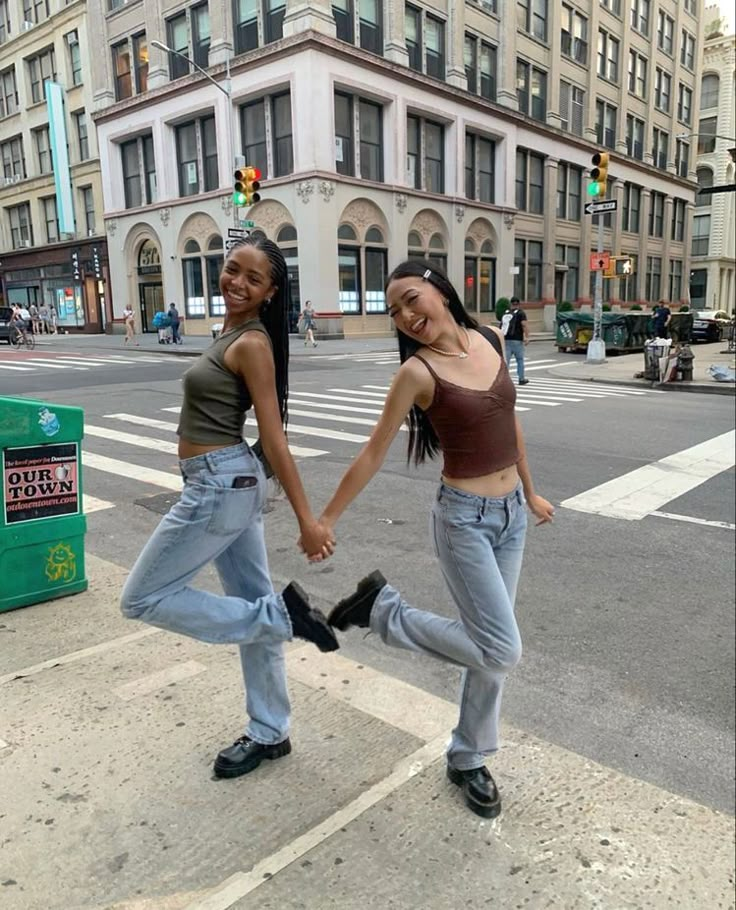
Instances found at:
x=352 y=392
x=51 y=365
x=327 y=433
x=383 y=388
x=7 y=366
x=92 y=504
x=144 y=421
x=296 y=451
x=132 y=471
x=335 y=407
x=131 y=439
x=354 y=400
x=591 y=388
x=336 y=418
x=538 y=401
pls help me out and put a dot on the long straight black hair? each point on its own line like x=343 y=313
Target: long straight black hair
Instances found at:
x=274 y=315
x=423 y=441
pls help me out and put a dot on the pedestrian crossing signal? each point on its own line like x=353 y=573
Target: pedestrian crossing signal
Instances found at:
x=598 y=175
x=246 y=186
x=624 y=266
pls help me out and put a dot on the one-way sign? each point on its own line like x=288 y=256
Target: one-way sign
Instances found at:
x=598 y=208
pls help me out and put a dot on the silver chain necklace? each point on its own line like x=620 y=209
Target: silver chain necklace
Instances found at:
x=461 y=354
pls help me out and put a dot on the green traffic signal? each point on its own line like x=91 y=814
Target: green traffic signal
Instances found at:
x=595 y=188
x=239 y=199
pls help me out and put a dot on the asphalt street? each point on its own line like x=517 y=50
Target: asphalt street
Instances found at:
x=628 y=626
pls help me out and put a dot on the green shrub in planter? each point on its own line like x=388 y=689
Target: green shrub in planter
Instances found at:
x=635 y=306
x=502 y=304
x=685 y=308
x=565 y=307
x=606 y=308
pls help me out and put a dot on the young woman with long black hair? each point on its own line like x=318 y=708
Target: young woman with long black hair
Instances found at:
x=219 y=516
x=455 y=389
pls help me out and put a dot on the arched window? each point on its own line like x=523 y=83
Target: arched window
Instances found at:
x=480 y=277
x=287 y=241
x=709 y=92
x=435 y=251
x=705 y=181
x=201 y=272
x=362 y=268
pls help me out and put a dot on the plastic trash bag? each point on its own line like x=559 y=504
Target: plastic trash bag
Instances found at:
x=721 y=373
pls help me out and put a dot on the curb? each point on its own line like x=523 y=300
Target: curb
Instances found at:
x=698 y=387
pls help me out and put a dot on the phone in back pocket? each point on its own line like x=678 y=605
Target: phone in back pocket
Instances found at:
x=244 y=482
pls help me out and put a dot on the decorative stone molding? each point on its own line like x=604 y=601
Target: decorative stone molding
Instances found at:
x=271 y=216
x=199 y=227
x=400 y=199
x=165 y=216
x=304 y=190
x=459 y=213
x=326 y=189
x=362 y=213
x=508 y=220
x=227 y=204
x=480 y=231
x=111 y=227
x=428 y=223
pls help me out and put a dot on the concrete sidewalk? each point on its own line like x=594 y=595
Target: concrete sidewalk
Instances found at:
x=108 y=801
x=621 y=370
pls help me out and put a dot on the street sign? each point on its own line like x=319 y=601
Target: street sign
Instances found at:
x=235 y=232
x=599 y=208
x=247 y=224
x=600 y=262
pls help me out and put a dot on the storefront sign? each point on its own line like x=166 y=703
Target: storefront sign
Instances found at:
x=96 y=262
x=41 y=482
x=76 y=266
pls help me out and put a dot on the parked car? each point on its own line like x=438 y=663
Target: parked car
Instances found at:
x=6 y=313
x=710 y=325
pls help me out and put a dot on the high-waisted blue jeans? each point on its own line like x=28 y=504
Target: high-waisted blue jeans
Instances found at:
x=214 y=521
x=480 y=544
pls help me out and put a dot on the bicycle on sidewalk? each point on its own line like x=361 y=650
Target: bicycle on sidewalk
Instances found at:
x=21 y=338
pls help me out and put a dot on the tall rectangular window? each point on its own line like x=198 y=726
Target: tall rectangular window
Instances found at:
x=42 y=69
x=637 y=74
x=88 y=207
x=36 y=10
x=201 y=34
x=4 y=20
x=14 y=161
x=8 y=92
x=653 y=288
x=177 y=32
x=283 y=144
x=187 y=159
x=572 y=108
x=574 y=36
x=253 y=127
x=413 y=36
x=531 y=90
x=274 y=25
x=677 y=231
x=43 y=150
x=634 y=137
x=687 y=50
x=434 y=157
x=371 y=25
x=245 y=24
x=641 y=16
x=605 y=123
x=531 y=17
x=701 y=235
x=80 y=125
x=140 y=59
x=660 y=148
x=608 y=56
x=665 y=32
x=632 y=207
x=529 y=182
x=129 y=152
x=682 y=158
x=414 y=152
x=343 y=12
x=435 y=50
x=75 y=58
x=569 y=191
x=50 y=219
x=121 y=71
x=675 y=279
x=267 y=134
x=662 y=90
x=21 y=227
x=707 y=135
x=370 y=117
x=480 y=156
x=149 y=169
x=685 y=105
x=656 y=215
x=613 y=6
x=344 y=128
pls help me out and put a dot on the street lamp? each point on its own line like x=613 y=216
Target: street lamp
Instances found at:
x=225 y=88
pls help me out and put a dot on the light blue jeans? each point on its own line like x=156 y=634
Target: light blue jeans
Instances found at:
x=213 y=521
x=516 y=349
x=480 y=544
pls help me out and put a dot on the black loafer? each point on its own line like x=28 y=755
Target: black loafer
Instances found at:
x=308 y=622
x=479 y=789
x=245 y=755
x=356 y=609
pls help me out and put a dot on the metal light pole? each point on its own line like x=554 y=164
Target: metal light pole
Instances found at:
x=225 y=88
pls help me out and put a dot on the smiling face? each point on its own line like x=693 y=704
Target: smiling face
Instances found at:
x=418 y=309
x=245 y=282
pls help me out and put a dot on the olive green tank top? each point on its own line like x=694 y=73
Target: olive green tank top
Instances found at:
x=216 y=400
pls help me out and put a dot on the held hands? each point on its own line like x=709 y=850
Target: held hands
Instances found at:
x=541 y=509
x=316 y=541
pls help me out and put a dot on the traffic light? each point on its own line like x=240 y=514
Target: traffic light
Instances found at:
x=246 y=186
x=624 y=266
x=598 y=175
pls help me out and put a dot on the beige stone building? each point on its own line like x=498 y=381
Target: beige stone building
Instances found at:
x=52 y=245
x=713 y=275
x=460 y=132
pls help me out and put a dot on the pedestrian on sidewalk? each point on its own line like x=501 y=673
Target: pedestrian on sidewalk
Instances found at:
x=662 y=317
x=129 y=321
x=219 y=515
x=35 y=319
x=309 y=324
x=455 y=389
x=53 y=319
x=175 y=323
x=43 y=314
x=515 y=328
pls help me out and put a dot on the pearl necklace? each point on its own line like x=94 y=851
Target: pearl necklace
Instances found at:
x=461 y=354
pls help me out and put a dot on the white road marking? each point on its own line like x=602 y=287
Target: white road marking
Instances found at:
x=637 y=494
x=51 y=364
x=336 y=418
x=326 y=433
x=360 y=392
x=92 y=504
x=321 y=396
x=131 y=439
x=334 y=407
x=7 y=366
x=159 y=680
x=133 y=471
x=522 y=397
x=698 y=521
x=144 y=421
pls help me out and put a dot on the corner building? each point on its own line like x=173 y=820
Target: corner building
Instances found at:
x=457 y=132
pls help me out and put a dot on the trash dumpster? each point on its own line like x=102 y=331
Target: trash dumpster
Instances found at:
x=41 y=522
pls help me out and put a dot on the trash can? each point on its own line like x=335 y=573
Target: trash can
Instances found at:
x=41 y=522
x=656 y=354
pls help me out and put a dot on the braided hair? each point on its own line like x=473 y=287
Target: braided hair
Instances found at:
x=274 y=314
x=423 y=441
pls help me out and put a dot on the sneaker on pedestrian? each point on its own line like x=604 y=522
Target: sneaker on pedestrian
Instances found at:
x=479 y=789
x=356 y=609
x=308 y=622
x=523 y=382
x=245 y=755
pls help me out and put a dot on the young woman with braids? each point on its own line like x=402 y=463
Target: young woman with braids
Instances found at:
x=219 y=516
x=456 y=391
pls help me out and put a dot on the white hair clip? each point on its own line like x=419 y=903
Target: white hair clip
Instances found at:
x=426 y=275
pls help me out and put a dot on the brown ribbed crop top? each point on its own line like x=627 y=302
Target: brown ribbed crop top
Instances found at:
x=476 y=427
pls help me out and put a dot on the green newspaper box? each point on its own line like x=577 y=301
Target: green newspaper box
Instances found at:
x=41 y=522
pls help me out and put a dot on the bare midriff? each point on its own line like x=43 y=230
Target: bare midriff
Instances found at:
x=492 y=486
x=192 y=449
